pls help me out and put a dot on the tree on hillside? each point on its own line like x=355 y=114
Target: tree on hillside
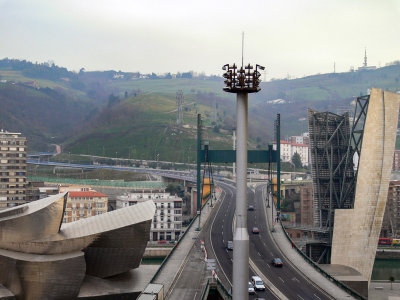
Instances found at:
x=296 y=160
x=112 y=100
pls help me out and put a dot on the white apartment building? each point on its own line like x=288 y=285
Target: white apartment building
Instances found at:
x=289 y=149
x=12 y=169
x=167 y=221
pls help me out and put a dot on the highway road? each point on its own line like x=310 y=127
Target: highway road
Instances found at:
x=288 y=280
x=221 y=232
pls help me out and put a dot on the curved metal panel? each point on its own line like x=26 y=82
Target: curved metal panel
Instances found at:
x=31 y=221
x=37 y=277
x=123 y=247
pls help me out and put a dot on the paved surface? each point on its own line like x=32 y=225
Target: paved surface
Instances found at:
x=382 y=290
x=185 y=264
x=298 y=261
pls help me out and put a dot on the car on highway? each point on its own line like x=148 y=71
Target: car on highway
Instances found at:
x=229 y=245
x=250 y=208
x=277 y=262
x=256 y=230
x=257 y=283
x=251 y=289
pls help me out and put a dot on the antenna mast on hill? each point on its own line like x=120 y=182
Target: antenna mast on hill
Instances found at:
x=242 y=46
x=365 y=57
x=179 y=104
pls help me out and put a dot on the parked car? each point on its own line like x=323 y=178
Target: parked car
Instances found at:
x=277 y=262
x=251 y=289
x=251 y=207
x=229 y=245
x=257 y=283
x=255 y=230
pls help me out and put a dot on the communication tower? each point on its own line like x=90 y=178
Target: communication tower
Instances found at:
x=179 y=104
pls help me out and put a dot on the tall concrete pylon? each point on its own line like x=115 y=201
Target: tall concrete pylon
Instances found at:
x=356 y=231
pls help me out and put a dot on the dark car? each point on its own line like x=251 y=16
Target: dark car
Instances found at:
x=250 y=208
x=277 y=262
x=255 y=230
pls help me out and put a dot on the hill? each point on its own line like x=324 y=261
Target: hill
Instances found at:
x=144 y=127
x=45 y=116
x=128 y=114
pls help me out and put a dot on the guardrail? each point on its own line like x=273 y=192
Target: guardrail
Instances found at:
x=328 y=276
x=206 y=290
x=227 y=294
x=219 y=285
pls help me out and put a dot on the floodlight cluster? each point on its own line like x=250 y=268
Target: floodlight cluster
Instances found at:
x=243 y=80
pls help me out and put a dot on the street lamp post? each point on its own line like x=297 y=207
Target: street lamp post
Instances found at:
x=241 y=82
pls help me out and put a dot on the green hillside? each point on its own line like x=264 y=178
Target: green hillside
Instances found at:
x=143 y=127
x=44 y=115
x=122 y=114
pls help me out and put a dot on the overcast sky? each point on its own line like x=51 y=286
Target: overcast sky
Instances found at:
x=288 y=37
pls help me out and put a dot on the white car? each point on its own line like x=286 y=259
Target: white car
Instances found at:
x=257 y=283
x=251 y=289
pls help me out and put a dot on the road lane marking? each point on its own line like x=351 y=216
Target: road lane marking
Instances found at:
x=317 y=297
x=300 y=297
x=259 y=253
x=295 y=279
x=281 y=279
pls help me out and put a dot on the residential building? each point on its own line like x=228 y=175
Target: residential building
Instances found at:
x=288 y=149
x=306 y=205
x=12 y=169
x=167 y=221
x=391 y=217
x=84 y=204
x=396 y=160
x=300 y=139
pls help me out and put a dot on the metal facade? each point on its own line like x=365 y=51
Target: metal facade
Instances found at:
x=40 y=260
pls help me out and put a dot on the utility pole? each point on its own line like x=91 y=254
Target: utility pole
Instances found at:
x=241 y=82
x=278 y=166
x=198 y=169
x=234 y=148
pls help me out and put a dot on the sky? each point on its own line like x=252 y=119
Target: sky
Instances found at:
x=290 y=38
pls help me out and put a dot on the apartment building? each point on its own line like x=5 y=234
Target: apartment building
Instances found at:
x=396 y=160
x=288 y=149
x=12 y=169
x=391 y=217
x=167 y=221
x=84 y=204
x=306 y=205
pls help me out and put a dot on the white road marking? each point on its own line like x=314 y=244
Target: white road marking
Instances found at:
x=300 y=297
x=317 y=297
x=281 y=279
x=268 y=266
x=259 y=253
x=295 y=279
